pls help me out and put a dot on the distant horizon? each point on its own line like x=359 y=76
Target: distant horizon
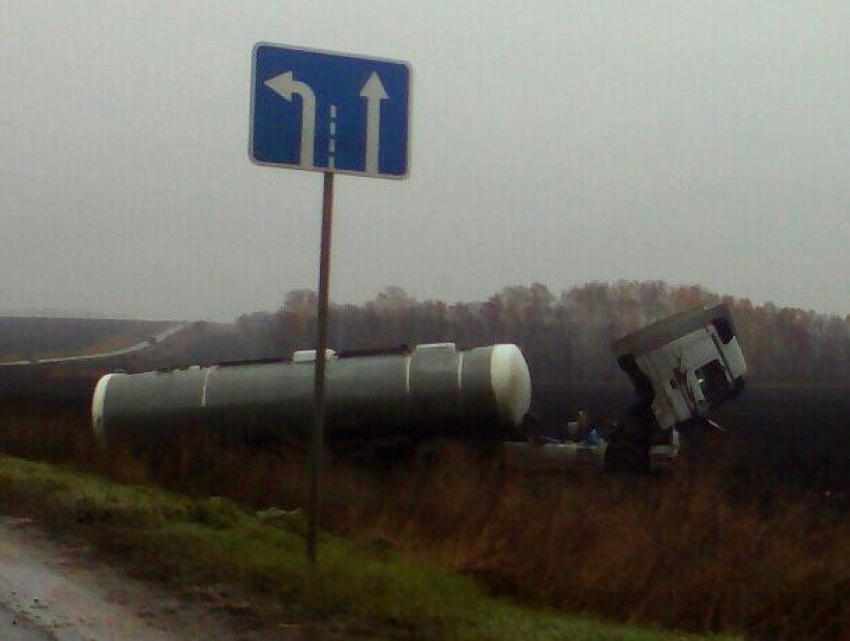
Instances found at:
x=58 y=313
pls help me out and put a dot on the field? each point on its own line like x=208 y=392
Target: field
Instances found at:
x=24 y=338
x=125 y=345
x=793 y=435
x=748 y=537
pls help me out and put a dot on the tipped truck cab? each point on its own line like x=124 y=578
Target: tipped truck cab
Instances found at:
x=682 y=367
x=685 y=365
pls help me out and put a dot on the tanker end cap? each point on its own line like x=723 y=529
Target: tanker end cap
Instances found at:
x=97 y=402
x=511 y=384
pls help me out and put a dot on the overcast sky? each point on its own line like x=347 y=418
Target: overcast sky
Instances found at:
x=560 y=142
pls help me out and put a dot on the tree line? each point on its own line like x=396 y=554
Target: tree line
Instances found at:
x=565 y=337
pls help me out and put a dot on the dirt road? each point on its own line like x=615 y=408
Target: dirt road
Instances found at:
x=59 y=591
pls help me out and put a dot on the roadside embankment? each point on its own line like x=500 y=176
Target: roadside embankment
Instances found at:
x=357 y=590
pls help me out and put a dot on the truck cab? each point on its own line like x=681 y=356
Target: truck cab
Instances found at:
x=685 y=365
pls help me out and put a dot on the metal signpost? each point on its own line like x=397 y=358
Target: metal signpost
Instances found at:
x=333 y=113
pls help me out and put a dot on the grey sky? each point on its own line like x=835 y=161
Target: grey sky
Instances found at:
x=560 y=142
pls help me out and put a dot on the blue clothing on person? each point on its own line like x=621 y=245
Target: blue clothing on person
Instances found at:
x=592 y=438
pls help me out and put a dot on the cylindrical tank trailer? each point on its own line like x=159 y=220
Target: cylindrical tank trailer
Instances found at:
x=430 y=390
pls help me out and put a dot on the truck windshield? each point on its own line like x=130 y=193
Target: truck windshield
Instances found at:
x=712 y=381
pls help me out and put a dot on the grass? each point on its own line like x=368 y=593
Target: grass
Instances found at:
x=708 y=549
x=693 y=550
x=367 y=591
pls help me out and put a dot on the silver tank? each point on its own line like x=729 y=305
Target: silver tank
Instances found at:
x=432 y=389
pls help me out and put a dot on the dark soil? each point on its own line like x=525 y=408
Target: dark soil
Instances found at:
x=793 y=434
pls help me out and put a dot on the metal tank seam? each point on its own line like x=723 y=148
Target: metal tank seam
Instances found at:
x=408 y=360
x=204 y=387
x=460 y=404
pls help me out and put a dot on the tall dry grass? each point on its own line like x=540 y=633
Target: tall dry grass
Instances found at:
x=709 y=547
x=690 y=551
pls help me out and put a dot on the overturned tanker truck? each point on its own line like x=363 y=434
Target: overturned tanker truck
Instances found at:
x=681 y=368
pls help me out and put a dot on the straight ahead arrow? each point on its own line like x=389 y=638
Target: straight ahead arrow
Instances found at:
x=285 y=85
x=373 y=91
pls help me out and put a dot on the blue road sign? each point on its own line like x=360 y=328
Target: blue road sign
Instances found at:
x=325 y=111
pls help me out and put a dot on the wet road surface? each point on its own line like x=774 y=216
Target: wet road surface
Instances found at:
x=61 y=591
x=14 y=627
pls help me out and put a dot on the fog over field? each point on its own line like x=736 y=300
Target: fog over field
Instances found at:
x=559 y=142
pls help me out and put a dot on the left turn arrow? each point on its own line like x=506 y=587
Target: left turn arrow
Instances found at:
x=285 y=85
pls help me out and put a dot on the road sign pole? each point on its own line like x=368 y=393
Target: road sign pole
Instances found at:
x=318 y=438
x=335 y=113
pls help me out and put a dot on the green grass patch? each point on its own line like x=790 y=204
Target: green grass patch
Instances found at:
x=364 y=591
